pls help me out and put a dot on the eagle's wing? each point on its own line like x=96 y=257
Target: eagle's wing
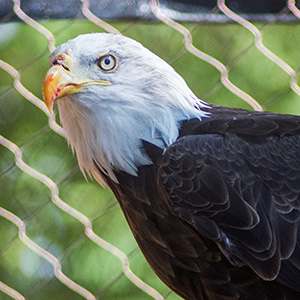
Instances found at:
x=243 y=195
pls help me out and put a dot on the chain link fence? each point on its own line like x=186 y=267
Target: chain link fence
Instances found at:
x=62 y=237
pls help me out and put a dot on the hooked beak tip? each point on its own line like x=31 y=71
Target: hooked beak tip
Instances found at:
x=54 y=85
x=51 y=88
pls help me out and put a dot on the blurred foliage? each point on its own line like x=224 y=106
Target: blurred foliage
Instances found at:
x=24 y=124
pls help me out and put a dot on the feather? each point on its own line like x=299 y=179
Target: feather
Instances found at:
x=211 y=194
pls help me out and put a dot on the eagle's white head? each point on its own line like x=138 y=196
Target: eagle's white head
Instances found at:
x=113 y=93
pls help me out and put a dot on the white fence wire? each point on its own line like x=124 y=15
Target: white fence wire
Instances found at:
x=36 y=227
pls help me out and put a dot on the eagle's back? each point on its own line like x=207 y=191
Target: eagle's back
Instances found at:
x=189 y=260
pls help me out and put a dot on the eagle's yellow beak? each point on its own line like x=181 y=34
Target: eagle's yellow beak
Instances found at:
x=60 y=81
x=56 y=84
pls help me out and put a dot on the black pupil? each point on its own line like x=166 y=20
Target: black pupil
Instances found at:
x=107 y=61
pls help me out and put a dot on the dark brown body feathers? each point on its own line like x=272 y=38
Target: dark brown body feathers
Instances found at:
x=217 y=214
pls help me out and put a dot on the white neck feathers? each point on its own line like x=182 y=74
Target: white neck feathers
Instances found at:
x=109 y=136
x=146 y=100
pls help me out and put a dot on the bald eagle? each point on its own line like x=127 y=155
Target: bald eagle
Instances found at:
x=211 y=194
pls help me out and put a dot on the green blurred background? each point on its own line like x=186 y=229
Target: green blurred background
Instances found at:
x=25 y=125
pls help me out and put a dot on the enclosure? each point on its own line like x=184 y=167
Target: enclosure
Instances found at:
x=62 y=236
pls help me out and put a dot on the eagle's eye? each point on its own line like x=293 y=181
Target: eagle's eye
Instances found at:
x=107 y=62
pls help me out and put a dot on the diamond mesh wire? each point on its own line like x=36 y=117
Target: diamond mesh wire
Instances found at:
x=64 y=238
